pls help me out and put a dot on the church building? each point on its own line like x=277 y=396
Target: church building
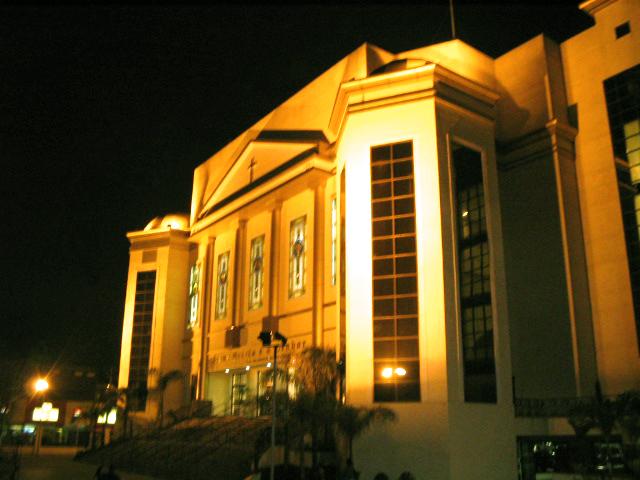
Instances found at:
x=462 y=230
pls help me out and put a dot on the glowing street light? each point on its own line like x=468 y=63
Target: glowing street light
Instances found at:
x=41 y=385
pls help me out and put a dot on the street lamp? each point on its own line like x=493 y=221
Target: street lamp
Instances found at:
x=271 y=339
x=40 y=386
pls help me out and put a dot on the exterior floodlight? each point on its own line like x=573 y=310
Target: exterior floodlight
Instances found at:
x=282 y=338
x=265 y=338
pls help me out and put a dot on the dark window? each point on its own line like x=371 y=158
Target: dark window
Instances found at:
x=623 y=29
x=474 y=278
x=622 y=94
x=395 y=301
x=141 y=337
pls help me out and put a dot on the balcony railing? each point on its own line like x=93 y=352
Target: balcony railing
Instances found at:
x=550 y=407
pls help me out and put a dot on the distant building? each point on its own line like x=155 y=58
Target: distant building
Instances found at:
x=461 y=229
x=63 y=409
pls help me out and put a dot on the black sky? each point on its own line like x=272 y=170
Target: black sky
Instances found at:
x=106 y=111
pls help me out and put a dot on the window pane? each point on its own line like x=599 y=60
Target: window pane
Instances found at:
x=380 y=153
x=402 y=169
x=380 y=171
x=384 y=392
x=382 y=228
x=403 y=150
x=383 y=308
x=406 y=264
x=407 y=306
x=405 y=225
x=381 y=190
x=407 y=348
x=405 y=245
x=383 y=266
x=403 y=187
x=406 y=285
x=383 y=287
x=407 y=326
x=409 y=392
x=403 y=205
x=383 y=328
x=382 y=247
x=381 y=209
x=384 y=349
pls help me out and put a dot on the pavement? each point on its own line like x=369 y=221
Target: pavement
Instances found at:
x=56 y=464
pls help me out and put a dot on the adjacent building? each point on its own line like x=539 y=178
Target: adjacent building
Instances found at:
x=462 y=230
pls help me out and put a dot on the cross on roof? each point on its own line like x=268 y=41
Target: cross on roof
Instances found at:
x=252 y=164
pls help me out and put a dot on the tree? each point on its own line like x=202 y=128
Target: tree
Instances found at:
x=163 y=382
x=353 y=421
x=628 y=418
x=316 y=376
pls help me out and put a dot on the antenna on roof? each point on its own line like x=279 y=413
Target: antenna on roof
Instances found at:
x=453 y=22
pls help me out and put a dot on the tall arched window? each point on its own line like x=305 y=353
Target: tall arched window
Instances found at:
x=256 y=269
x=297 y=257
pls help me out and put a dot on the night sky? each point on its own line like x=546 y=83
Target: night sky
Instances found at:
x=106 y=111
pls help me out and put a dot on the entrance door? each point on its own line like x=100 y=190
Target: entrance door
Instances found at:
x=238 y=392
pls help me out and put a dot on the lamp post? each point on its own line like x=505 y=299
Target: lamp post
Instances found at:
x=267 y=338
x=41 y=385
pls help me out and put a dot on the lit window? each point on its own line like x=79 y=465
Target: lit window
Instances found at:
x=334 y=239
x=297 y=257
x=256 y=277
x=223 y=283
x=194 y=280
x=395 y=284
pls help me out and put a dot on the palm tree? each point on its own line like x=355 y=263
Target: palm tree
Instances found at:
x=163 y=382
x=353 y=421
x=628 y=417
x=316 y=374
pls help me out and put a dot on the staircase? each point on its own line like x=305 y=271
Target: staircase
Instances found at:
x=194 y=449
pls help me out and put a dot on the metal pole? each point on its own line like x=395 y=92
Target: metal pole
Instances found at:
x=272 y=468
x=453 y=22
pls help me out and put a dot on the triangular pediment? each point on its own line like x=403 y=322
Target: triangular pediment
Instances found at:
x=256 y=160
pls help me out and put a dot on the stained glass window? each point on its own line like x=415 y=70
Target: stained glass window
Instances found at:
x=223 y=283
x=194 y=280
x=297 y=257
x=256 y=269
x=334 y=239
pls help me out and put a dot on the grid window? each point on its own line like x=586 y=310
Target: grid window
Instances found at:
x=622 y=94
x=223 y=285
x=474 y=278
x=297 y=256
x=256 y=273
x=395 y=289
x=141 y=335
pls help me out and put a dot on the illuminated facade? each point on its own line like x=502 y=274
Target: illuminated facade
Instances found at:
x=453 y=225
